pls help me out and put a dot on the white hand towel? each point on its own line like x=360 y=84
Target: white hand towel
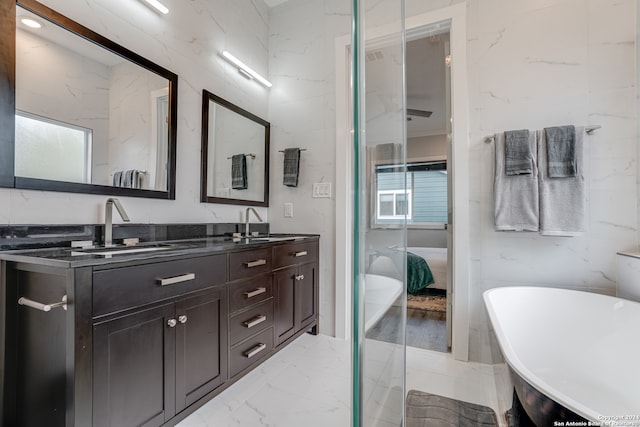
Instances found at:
x=516 y=196
x=562 y=200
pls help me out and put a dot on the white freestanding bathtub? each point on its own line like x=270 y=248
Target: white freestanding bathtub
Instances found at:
x=580 y=349
x=379 y=295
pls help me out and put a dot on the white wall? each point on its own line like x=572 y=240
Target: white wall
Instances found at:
x=302 y=114
x=187 y=41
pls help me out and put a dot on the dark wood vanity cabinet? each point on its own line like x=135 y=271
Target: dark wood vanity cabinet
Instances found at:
x=145 y=343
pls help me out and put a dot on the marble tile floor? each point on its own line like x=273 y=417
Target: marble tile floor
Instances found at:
x=308 y=384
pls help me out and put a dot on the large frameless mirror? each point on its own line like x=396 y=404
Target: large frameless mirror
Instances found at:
x=235 y=154
x=90 y=115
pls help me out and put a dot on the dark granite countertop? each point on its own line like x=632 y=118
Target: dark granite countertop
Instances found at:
x=67 y=257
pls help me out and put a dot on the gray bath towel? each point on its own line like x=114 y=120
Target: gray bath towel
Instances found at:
x=561 y=151
x=128 y=179
x=117 y=179
x=291 y=167
x=517 y=152
x=516 y=196
x=239 y=172
x=562 y=201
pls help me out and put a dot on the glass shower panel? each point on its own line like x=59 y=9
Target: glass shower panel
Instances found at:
x=381 y=206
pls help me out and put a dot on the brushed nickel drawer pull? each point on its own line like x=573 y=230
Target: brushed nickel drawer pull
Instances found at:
x=176 y=279
x=300 y=277
x=301 y=253
x=255 y=292
x=255 y=321
x=255 y=350
x=43 y=307
x=172 y=323
x=255 y=263
x=182 y=319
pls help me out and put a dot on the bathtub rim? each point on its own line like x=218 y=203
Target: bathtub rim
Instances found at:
x=516 y=364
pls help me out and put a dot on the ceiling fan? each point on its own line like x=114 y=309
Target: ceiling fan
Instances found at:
x=418 y=113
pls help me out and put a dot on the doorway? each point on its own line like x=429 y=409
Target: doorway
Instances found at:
x=453 y=18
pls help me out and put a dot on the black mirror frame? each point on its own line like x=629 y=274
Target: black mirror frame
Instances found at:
x=207 y=97
x=8 y=102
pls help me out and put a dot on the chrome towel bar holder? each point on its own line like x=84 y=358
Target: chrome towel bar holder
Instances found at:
x=588 y=130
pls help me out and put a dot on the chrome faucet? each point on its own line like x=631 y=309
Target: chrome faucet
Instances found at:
x=246 y=219
x=108 y=219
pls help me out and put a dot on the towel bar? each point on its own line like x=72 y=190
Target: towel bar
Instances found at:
x=252 y=155
x=302 y=149
x=588 y=129
x=43 y=307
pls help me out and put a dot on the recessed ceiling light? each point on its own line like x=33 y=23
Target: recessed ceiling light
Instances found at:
x=158 y=6
x=30 y=22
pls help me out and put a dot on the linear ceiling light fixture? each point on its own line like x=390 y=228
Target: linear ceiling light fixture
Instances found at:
x=244 y=70
x=158 y=6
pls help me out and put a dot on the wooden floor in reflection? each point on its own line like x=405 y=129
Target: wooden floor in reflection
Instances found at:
x=425 y=329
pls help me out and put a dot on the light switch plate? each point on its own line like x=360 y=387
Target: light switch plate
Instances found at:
x=321 y=189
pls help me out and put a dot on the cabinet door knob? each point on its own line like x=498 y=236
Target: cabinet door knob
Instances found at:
x=182 y=318
x=172 y=323
x=300 y=277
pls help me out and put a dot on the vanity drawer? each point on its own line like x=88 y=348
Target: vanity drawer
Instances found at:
x=249 y=263
x=251 y=321
x=121 y=288
x=250 y=351
x=294 y=253
x=250 y=292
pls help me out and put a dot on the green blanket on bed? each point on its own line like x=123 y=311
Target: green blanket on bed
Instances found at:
x=419 y=274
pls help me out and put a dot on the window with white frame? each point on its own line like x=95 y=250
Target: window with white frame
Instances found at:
x=419 y=191
x=51 y=149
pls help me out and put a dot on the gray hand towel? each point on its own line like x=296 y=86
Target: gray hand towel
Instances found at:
x=562 y=201
x=291 y=167
x=516 y=196
x=517 y=153
x=561 y=151
x=239 y=172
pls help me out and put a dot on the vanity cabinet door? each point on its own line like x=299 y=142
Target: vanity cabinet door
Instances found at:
x=134 y=369
x=201 y=346
x=284 y=294
x=296 y=297
x=306 y=295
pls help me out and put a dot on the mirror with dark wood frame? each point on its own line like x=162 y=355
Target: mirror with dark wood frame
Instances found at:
x=235 y=154
x=82 y=113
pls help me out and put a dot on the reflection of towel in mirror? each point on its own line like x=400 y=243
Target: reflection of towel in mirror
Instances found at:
x=291 y=167
x=239 y=172
x=128 y=179
x=561 y=151
x=117 y=179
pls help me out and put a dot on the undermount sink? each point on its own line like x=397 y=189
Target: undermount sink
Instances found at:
x=107 y=252
x=274 y=238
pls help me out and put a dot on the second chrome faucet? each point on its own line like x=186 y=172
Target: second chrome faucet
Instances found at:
x=246 y=219
x=108 y=219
